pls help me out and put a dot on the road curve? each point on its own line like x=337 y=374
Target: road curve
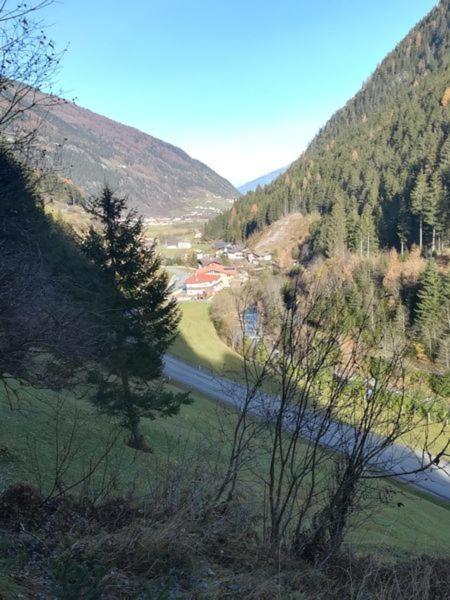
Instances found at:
x=397 y=460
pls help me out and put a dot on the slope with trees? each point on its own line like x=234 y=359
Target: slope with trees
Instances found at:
x=380 y=167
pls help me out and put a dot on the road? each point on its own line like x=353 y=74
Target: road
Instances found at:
x=397 y=460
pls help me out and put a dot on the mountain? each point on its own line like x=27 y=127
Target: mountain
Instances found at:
x=158 y=178
x=250 y=186
x=378 y=172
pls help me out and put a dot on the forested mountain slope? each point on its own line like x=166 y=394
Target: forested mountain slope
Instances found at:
x=159 y=179
x=379 y=170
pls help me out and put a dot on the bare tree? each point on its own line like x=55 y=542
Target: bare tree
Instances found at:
x=29 y=63
x=337 y=421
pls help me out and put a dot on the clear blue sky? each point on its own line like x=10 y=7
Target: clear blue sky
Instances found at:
x=242 y=85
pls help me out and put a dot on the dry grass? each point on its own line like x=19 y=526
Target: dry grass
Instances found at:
x=161 y=548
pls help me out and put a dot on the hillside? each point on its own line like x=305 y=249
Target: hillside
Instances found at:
x=158 y=178
x=250 y=186
x=383 y=160
x=284 y=238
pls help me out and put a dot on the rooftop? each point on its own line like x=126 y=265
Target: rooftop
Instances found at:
x=201 y=277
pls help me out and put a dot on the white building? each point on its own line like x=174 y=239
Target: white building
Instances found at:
x=203 y=284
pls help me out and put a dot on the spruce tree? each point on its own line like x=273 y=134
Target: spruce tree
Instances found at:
x=368 y=232
x=353 y=231
x=336 y=229
x=419 y=195
x=446 y=301
x=432 y=205
x=429 y=307
x=142 y=318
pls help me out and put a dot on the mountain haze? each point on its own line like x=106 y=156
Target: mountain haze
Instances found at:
x=158 y=178
x=379 y=170
x=250 y=186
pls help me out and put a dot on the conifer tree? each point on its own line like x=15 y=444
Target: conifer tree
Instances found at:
x=142 y=318
x=336 y=229
x=403 y=225
x=432 y=205
x=353 y=230
x=429 y=307
x=419 y=195
x=368 y=234
x=446 y=301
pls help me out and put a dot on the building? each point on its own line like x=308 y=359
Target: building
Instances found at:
x=235 y=253
x=203 y=284
x=217 y=268
x=250 y=256
x=184 y=245
x=221 y=247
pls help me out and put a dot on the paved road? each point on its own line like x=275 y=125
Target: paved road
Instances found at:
x=397 y=459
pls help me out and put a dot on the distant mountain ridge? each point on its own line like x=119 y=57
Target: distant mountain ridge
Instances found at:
x=158 y=178
x=250 y=186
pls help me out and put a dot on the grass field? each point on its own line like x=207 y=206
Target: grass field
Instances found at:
x=198 y=342
x=30 y=450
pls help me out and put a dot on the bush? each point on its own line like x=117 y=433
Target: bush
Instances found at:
x=440 y=384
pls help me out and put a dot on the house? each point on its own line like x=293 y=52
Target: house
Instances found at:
x=184 y=245
x=221 y=247
x=235 y=252
x=203 y=284
x=217 y=268
x=250 y=256
x=267 y=256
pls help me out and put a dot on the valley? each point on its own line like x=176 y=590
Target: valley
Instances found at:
x=220 y=392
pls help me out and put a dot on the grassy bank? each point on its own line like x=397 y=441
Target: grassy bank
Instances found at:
x=199 y=343
x=34 y=445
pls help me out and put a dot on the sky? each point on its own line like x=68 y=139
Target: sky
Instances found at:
x=242 y=85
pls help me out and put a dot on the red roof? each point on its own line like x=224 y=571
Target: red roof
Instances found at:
x=214 y=266
x=200 y=277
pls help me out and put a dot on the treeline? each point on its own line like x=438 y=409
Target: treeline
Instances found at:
x=379 y=171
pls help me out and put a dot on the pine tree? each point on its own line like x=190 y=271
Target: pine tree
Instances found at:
x=368 y=233
x=353 y=232
x=419 y=196
x=432 y=205
x=403 y=225
x=336 y=229
x=142 y=318
x=429 y=307
x=446 y=301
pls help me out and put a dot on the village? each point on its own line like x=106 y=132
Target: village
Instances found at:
x=225 y=265
x=199 y=270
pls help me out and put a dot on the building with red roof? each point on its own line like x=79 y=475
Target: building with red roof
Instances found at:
x=203 y=284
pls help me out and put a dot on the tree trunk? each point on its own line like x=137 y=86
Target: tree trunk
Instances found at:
x=421 y=233
x=433 y=243
x=136 y=439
